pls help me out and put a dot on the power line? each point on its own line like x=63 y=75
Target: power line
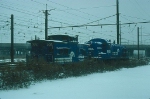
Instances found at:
x=95 y=7
x=71 y=8
x=142 y=8
x=131 y=17
x=84 y=25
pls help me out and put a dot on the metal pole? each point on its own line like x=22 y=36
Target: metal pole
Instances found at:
x=12 y=38
x=120 y=32
x=117 y=16
x=138 y=40
x=46 y=23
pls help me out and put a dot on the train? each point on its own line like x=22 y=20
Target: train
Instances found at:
x=67 y=49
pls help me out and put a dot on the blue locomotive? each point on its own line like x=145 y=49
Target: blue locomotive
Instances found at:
x=102 y=49
x=64 y=49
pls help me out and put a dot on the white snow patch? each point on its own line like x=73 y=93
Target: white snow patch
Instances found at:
x=15 y=60
x=131 y=83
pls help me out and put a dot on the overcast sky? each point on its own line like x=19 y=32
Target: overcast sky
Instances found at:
x=29 y=19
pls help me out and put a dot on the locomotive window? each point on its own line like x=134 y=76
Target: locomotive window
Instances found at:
x=49 y=46
x=98 y=42
x=51 y=49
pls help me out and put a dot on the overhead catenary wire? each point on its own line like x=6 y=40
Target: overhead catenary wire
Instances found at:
x=84 y=25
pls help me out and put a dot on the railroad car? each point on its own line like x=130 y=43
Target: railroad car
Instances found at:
x=58 y=48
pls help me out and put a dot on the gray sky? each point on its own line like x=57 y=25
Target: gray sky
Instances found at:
x=29 y=19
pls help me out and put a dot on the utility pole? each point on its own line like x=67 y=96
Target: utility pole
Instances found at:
x=46 y=23
x=141 y=35
x=117 y=9
x=138 y=40
x=12 y=38
x=120 y=32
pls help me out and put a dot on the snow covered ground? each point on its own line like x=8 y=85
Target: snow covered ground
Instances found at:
x=15 y=60
x=133 y=83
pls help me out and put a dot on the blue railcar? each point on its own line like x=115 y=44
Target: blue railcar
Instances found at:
x=58 y=48
x=53 y=51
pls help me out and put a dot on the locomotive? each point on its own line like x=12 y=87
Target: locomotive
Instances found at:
x=105 y=50
x=65 y=49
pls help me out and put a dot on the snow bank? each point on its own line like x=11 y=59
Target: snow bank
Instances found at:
x=130 y=83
